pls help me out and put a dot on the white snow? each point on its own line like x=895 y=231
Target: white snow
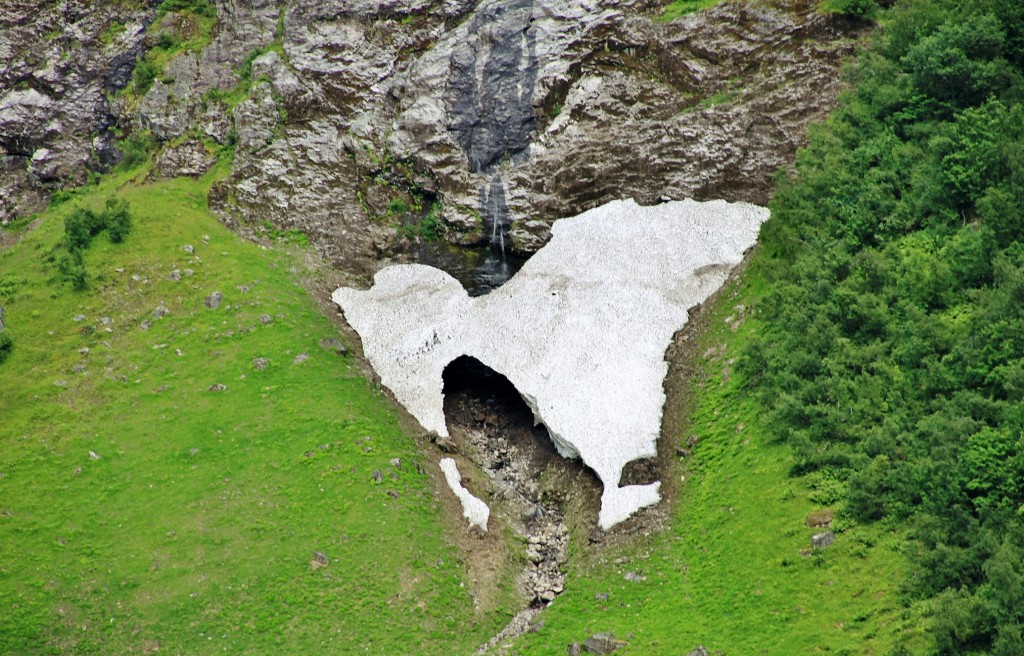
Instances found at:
x=473 y=508
x=581 y=330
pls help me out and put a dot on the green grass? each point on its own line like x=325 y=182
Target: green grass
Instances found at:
x=195 y=529
x=728 y=573
x=679 y=8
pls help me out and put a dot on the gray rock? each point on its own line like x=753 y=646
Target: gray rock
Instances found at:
x=160 y=311
x=602 y=644
x=634 y=577
x=699 y=651
x=174 y=276
x=189 y=158
x=823 y=540
x=574 y=649
x=218 y=387
x=189 y=249
x=333 y=345
x=266 y=319
x=2 y=314
x=445 y=443
x=78 y=318
x=213 y=300
x=300 y=358
x=259 y=364
x=94 y=456
x=377 y=476
x=396 y=463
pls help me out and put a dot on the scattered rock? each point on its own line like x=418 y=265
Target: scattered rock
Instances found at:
x=84 y=350
x=300 y=358
x=333 y=345
x=160 y=311
x=174 y=276
x=574 y=649
x=377 y=476
x=105 y=321
x=188 y=272
x=819 y=518
x=445 y=443
x=320 y=559
x=213 y=300
x=265 y=319
x=1 y=317
x=396 y=463
x=60 y=383
x=699 y=651
x=145 y=325
x=259 y=364
x=188 y=248
x=601 y=596
x=823 y=540
x=193 y=451
x=93 y=455
x=634 y=577
x=601 y=644
x=218 y=387
x=78 y=318
x=393 y=494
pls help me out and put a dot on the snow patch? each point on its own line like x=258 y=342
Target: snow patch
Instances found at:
x=473 y=508
x=581 y=330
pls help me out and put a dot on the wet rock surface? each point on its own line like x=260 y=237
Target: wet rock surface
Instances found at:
x=497 y=118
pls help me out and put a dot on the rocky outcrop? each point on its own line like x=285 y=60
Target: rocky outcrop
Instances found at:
x=59 y=63
x=499 y=116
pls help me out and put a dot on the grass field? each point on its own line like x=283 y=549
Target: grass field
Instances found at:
x=729 y=574
x=193 y=528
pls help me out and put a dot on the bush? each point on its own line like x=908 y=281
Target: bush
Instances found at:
x=118 y=220
x=198 y=7
x=135 y=150
x=80 y=227
x=6 y=344
x=855 y=8
x=143 y=76
x=71 y=268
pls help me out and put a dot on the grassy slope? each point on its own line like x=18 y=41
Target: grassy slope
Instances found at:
x=679 y=8
x=728 y=574
x=206 y=552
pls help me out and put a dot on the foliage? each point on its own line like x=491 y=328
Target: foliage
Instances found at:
x=136 y=149
x=855 y=8
x=198 y=7
x=894 y=355
x=6 y=344
x=146 y=71
x=80 y=226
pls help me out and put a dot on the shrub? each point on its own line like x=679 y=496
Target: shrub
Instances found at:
x=135 y=150
x=71 y=268
x=198 y=7
x=855 y=8
x=143 y=76
x=80 y=227
x=6 y=344
x=118 y=220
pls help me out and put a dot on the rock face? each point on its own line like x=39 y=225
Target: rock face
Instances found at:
x=581 y=330
x=499 y=116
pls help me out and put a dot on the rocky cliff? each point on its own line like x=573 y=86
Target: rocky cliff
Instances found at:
x=360 y=121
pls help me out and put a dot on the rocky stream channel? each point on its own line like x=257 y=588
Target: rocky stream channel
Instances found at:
x=494 y=428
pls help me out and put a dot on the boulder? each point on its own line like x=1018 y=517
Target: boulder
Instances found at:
x=213 y=300
x=823 y=540
x=602 y=644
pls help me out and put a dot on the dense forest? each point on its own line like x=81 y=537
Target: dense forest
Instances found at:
x=894 y=359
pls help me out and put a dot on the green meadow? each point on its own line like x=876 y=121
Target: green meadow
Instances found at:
x=144 y=507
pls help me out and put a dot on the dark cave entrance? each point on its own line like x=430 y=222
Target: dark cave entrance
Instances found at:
x=476 y=396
